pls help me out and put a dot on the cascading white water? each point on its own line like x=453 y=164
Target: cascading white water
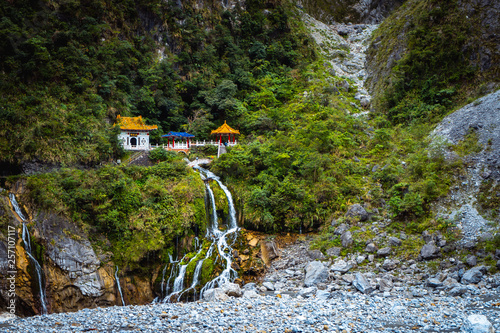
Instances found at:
x=179 y=280
x=163 y=280
x=118 y=285
x=219 y=240
x=27 y=246
x=232 y=211
x=213 y=228
x=223 y=248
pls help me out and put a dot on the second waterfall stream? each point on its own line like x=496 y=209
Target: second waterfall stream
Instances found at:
x=220 y=241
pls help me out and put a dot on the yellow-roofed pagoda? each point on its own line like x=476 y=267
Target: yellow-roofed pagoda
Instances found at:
x=222 y=132
x=134 y=133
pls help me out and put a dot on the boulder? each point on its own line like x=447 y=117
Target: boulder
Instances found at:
x=427 y=236
x=471 y=261
x=348 y=278
x=323 y=294
x=215 y=294
x=371 y=248
x=360 y=259
x=307 y=292
x=429 y=251
x=476 y=323
x=434 y=283
x=358 y=212
x=385 y=285
x=384 y=252
x=341 y=229
x=394 y=241
x=250 y=293
x=340 y=266
x=232 y=289
x=316 y=272
x=473 y=275
x=346 y=239
x=333 y=251
x=268 y=285
x=250 y=286
x=389 y=264
x=362 y=284
x=269 y=250
x=315 y=254
x=457 y=290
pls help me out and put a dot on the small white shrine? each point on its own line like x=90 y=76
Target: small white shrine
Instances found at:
x=134 y=133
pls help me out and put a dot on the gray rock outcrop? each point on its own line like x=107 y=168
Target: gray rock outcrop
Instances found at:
x=315 y=254
x=346 y=239
x=333 y=251
x=394 y=241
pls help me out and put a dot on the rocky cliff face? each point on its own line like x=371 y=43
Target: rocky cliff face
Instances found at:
x=475 y=200
x=74 y=276
x=77 y=273
x=351 y=11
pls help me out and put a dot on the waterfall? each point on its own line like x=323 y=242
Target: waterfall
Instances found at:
x=27 y=246
x=163 y=280
x=179 y=280
x=219 y=240
x=213 y=228
x=118 y=285
x=232 y=211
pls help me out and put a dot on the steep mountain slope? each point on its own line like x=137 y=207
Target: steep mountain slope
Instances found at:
x=351 y=11
x=430 y=56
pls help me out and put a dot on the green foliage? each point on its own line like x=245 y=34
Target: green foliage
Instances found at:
x=141 y=210
x=469 y=145
x=434 y=69
x=67 y=70
x=161 y=155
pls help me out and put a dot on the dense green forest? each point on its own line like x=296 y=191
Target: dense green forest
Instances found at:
x=69 y=67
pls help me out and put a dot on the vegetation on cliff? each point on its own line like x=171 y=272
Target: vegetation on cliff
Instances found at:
x=68 y=68
x=139 y=210
x=431 y=56
x=307 y=154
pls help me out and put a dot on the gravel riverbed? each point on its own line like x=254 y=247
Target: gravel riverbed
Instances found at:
x=324 y=312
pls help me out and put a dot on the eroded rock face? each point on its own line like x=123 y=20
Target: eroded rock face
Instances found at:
x=472 y=201
x=69 y=248
x=74 y=278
